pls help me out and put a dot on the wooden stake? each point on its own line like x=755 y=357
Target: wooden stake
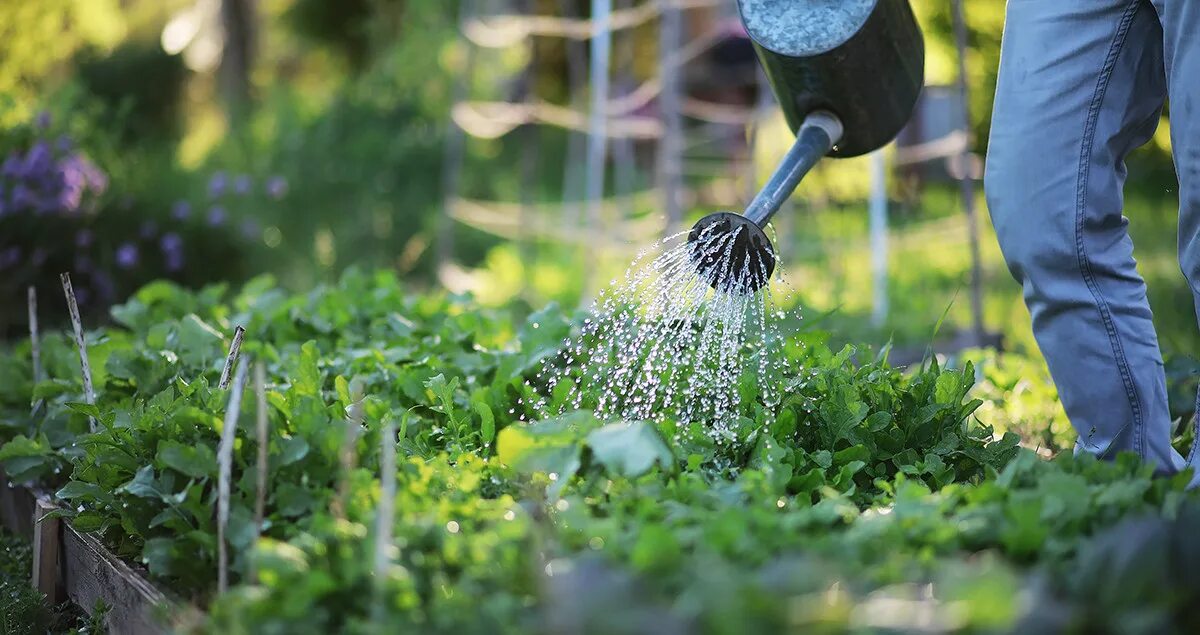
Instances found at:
x=235 y=350
x=89 y=394
x=387 y=502
x=35 y=344
x=385 y=512
x=260 y=497
x=225 y=465
x=348 y=456
x=46 y=546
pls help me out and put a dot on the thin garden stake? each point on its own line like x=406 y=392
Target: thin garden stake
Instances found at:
x=225 y=466
x=235 y=350
x=386 y=510
x=347 y=457
x=35 y=345
x=89 y=394
x=260 y=497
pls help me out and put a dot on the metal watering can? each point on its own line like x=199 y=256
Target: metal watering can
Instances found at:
x=847 y=74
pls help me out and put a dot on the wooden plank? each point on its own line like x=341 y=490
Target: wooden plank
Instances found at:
x=92 y=573
x=46 y=551
x=16 y=507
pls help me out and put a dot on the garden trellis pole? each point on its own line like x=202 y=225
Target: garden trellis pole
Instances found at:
x=879 y=238
x=966 y=178
x=670 y=149
x=624 y=155
x=597 y=153
x=573 y=170
x=456 y=144
x=528 y=140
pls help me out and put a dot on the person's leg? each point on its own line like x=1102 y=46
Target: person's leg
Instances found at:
x=1181 y=43
x=1081 y=85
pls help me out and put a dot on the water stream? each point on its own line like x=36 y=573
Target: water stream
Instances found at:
x=663 y=343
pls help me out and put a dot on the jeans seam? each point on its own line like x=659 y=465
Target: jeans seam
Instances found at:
x=1085 y=269
x=1191 y=457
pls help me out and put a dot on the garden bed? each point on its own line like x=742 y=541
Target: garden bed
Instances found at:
x=71 y=565
x=401 y=489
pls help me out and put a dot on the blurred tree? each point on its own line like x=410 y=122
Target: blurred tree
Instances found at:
x=140 y=87
x=237 y=58
x=348 y=27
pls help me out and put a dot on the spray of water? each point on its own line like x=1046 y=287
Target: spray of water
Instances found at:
x=673 y=341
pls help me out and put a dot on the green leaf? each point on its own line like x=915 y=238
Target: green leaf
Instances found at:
x=630 y=449
x=307 y=377
x=157 y=555
x=240 y=530
x=292 y=449
x=197 y=343
x=487 y=422
x=293 y=500
x=195 y=461
x=143 y=484
x=443 y=391
x=26 y=459
x=88 y=521
x=85 y=409
x=78 y=490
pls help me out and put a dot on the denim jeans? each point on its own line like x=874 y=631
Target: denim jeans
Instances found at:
x=1082 y=83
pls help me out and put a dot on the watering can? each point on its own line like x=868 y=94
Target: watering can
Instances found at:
x=847 y=74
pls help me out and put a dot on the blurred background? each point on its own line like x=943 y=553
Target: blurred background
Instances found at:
x=520 y=150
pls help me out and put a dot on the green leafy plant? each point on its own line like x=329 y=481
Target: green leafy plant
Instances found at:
x=866 y=482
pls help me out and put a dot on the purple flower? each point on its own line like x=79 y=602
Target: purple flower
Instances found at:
x=217 y=184
x=63 y=144
x=42 y=120
x=127 y=256
x=39 y=159
x=12 y=165
x=22 y=197
x=38 y=257
x=277 y=187
x=172 y=248
x=148 y=230
x=181 y=210
x=250 y=229
x=83 y=238
x=241 y=185
x=171 y=243
x=76 y=175
x=216 y=215
x=174 y=262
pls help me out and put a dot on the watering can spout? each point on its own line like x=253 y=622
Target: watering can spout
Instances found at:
x=731 y=251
